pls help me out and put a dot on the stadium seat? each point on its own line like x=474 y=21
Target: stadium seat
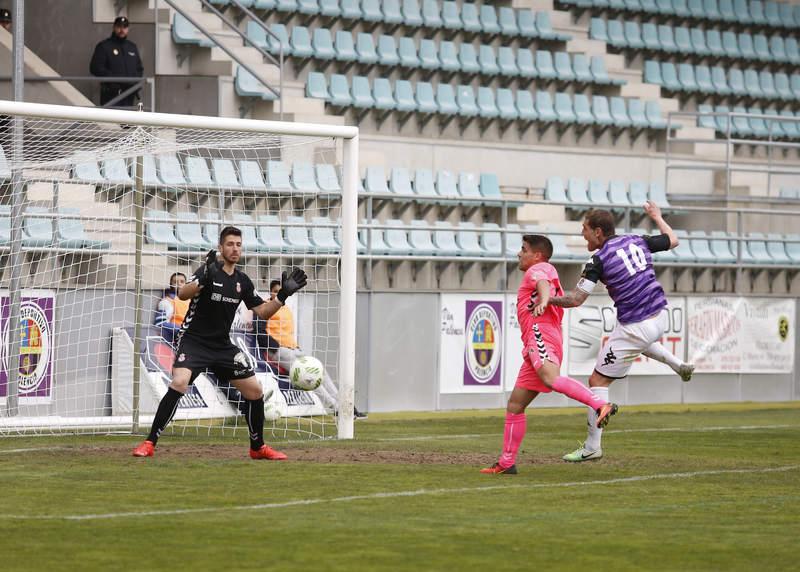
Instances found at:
x=412 y=13
x=448 y=57
x=636 y=112
x=633 y=36
x=487 y=106
x=699 y=44
x=544 y=65
x=470 y=18
x=513 y=240
x=197 y=172
x=638 y=193
x=396 y=238
x=115 y=171
x=339 y=90
x=560 y=249
x=576 y=191
x=649 y=34
x=563 y=67
x=582 y=109
x=711 y=10
x=721 y=247
x=746 y=47
x=330 y=8
x=322 y=235
x=619 y=113
x=317 y=86
x=270 y=235
x=601 y=75
x=465 y=99
x=184 y=32
x=304 y=179
x=301 y=42
x=189 y=233
x=554 y=191
x=580 y=66
x=756 y=250
x=714 y=43
x=424 y=186
x=420 y=240
x=786 y=13
x=488 y=60
x=491 y=240
x=740 y=123
x=488 y=20
x=428 y=55
x=782 y=87
x=286 y=5
x=251 y=176
x=149 y=170
x=70 y=232
x=752 y=84
x=772 y=14
x=350 y=9
x=407 y=53
x=277 y=176
x=468 y=187
x=468 y=59
x=653 y=114
x=792 y=49
x=601 y=112
x=250 y=241
x=507 y=20
x=365 y=49
x=392 y=13
x=525 y=106
x=446 y=185
x=375 y=180
x=451 y=19
x=404 y=96
x=526 y=21
x=425 y=99
x=703 y=77
x=387 y=51
x=618 y=38
x=757 y=124
x=506 y=62
x=683 y=40
x=618 y=194
x=544 y=107
x=382 y=94
x=701 y=246
x=683 y=251
x=400 y=181
x=793 y=247
x=445 y=239
x=224 y=173
x=659 y=196
x=506 y=106
x=597 y=30
x=431 y=14
x=468 y=240
x=322 y=43
x=791 y=128
x=345 y=47
x=544 y=28
x=327 y=178
x=525 y=64
x=776 y=249
x=159 y=232
x=490 y=189
x=666 y=39
x=669 y=77
x=296 y=235
x=446 y=99
x=719 y=80
x=686 y=78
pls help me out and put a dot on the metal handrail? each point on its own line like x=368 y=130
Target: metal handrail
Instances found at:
x=136 y=81
x=221 y=46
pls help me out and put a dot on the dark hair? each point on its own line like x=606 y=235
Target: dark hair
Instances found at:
x=228 y=230
x=539 y=243
x=176 y=274
x=604 y=220
x=273 y=283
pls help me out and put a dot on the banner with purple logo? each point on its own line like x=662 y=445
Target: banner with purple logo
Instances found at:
x=36 y=337
x=471 y=343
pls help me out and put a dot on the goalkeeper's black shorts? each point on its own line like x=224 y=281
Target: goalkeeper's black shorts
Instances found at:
x=226 y=361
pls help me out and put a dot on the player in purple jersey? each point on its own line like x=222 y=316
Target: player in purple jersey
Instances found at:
x=624 y=263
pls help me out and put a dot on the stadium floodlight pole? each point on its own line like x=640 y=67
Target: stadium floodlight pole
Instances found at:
x=17 y=198
x=138 y=190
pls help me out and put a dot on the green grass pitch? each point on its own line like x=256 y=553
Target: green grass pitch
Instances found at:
x=681 y=488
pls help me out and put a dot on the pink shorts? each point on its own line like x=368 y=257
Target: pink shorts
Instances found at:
x=545 y=343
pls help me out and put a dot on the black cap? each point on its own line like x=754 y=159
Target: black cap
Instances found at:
x=121 y=21
x=5 y=15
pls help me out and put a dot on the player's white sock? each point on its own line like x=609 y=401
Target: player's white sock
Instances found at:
x=594 y=434
x=660 y=353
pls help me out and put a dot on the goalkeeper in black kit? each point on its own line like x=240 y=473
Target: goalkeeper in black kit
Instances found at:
x=204 y=343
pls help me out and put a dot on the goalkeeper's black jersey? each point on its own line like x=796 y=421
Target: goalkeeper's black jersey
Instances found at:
x=212 y=310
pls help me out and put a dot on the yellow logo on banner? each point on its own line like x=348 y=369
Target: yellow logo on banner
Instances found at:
x=783 y=328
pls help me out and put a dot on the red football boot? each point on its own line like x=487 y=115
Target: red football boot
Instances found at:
x=267 y=452
x=146 y=449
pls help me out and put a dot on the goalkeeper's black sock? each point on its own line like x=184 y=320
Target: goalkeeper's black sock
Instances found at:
x=254 y=413
x=164 y=414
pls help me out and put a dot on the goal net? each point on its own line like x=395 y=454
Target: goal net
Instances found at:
x=104 y=212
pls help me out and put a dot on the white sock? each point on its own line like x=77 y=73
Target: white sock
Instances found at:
x=660 y=353
x=594 y=434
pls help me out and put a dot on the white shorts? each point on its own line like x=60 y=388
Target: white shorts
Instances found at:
x=626 y=343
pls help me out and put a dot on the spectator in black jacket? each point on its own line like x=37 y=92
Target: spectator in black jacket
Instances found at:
x=117 y=56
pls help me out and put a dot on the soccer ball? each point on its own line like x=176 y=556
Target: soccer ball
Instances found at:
x=306 y=373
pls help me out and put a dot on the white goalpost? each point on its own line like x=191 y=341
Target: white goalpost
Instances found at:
x=101 y=209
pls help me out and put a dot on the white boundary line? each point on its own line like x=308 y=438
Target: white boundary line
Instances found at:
x=396 y=494
x=31 y=449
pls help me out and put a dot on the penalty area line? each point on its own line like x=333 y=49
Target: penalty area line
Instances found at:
x=397 y=494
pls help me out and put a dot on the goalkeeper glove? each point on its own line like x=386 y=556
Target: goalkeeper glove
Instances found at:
x=291 y=283
x=205 y=272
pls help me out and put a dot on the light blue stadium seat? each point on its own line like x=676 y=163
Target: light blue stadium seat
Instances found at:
x=506 y=62
x=544 y=107
x=719 y=80
x=404 y=96
x=544 y=28
x=365 y=48
x=508 y=21
x=696 y=9
x=444 y=237
x=304 y=177
x=597 y=30
x=684 y=251
x=392 y=13
x=714 y=43
x=615 y=29
x=431 y=14
x=488 y=60
x=270 y=235
x=794 y=81
x=506 y=106
x=740 y=123
x=400 y=181
x=86 y=169
x=421 y=240
x=580 y=65
x=339 y=91
x=491 y=240
x=446 y=186
x=702 y=75
x=618 y=194
x=184 y=32
x=257 y=35
x=637 y=114
x=766 y=82
x=330 y=8
x=425 y=99
x=488 y=20
x=772 y=14
x=582 y=109
x=659 y=196
x=345 y=48
x=633 y=35
x=407 y=53
x=277 y=176
x=669 y=77
x=683 y=40
x=387 y=51
x=758 y=124
x=701 y=246
x=776 y=249
x=327 y=178
x=189 y=232
x=728 y=14
x=412 y=13
x=159 y=232
x=286 y=5
x=526 y=21
x=722 y=120
x=322 y=43
x=638 y=193
x=563 y=67
x=600 y=73
x=746 y=48
x=526 y=109
x=375 y=180
x=513 y=240
x=598 y=193
x=424 y=186
x=527 y=68
x=468 y=240
x=322 y=235
x=224 y=173
x=681 y=8
x=649 y=36
x=777 y=49
x=544 y=65
x=451 y=19
x=791 y=128
x=448 y=57
x=470 y=19
x=711 y=10
x=742 y=12
x=468 y=187
x=723 y=249
x=554 y=190
x=653 y=113
x=350 y=9
x=601 y=112
x=250 y=175
x=787 y=15
x=301 y=42
x=382 y=94
x=197 y=172
x=652 y=72
x=116 y=171
x=699 y=45
x=396 y=238
x=666 y=39
x=317 y=86
x=619 y=112
x=446 y=99
x=686 y=78
x=490 y=189
x=576 y=191
x=209 y=223
x=69 y=232
x=751 y=84
x=428 y=55
x=149 y=170
x=756 y=249
x=560 y=249
x=487 y=106
x=296 y=235
x=248 y=85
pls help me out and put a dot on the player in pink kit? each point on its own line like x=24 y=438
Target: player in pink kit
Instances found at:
x=540 y=325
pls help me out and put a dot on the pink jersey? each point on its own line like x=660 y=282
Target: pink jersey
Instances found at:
x=553 y=315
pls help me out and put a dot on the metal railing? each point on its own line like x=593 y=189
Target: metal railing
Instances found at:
x=137 y=83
